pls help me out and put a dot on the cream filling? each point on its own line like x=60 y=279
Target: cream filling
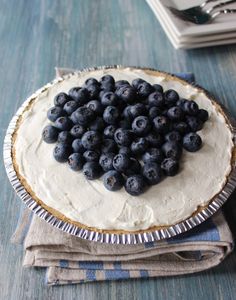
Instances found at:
x=202 y=175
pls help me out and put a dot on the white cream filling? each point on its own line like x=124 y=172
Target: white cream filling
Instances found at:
x=202 y=174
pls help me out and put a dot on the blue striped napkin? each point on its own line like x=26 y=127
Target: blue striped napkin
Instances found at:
x=69 y=259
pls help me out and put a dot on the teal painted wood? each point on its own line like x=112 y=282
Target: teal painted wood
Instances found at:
x=36 y=36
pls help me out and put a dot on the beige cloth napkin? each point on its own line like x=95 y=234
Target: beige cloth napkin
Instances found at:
x=70 y=259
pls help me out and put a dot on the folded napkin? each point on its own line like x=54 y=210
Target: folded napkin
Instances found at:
x=69 y=259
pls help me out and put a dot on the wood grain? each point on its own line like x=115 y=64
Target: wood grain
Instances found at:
x=36 y=36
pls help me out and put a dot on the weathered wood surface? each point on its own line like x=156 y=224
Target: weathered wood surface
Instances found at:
x=36 y=36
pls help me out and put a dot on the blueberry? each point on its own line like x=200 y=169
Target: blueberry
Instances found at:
x=106 y=161
x=76 y=161
x=50 y=134
x=91 y=155
x=154 y=112
x=91 y=140
x=145 y=102
x=80 y=95
x=144 y=89
x=83 y=116
x=158 y=88
x=61 y=99
x=123 y=137
x=91 y=80
x=139 y=146
x=97 y=125
x=107 y=87
x=125 y=124
x=109 y=131
x=156 y=99
x=107 y=79
x=121 y=106
x=108 y=145
x=134 y=168
x=164 y=112
x=180 y=103
x=101 y=93
x=191 y=108
x=111 y=115
x=127 y=113
x=161 y=124
x=121 y=162
x=125 y=150
x=77 y=146
x=63 y=123
x=171 y=97
x=203 y=115
x=152 y=173
x=154 y=139
x=113 y=180
x=120 y=83
x=141 y=125
x=93 y=90
x=95 y=106
x=170 y=166
x=109 y=98
x=135 y=185
x=91 y=170
x=61 y=152
x=77 y=131
x=136 y=82
x=173 y=136
x=194 y=123
x=138 y=109
x=175 y=113
x=65 y=137
x=126 y=93
x=172 y=150
x=192 y=142
x=55 y=112
x=153 y=155
x=181 y=127
x=70 y=107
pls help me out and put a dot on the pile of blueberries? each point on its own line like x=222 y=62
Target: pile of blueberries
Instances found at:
x=133 y=134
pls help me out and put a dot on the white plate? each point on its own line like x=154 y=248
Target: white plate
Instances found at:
x=185 y=41
x=223 y=23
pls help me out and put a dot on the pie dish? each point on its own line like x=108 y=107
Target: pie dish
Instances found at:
x=198 y=190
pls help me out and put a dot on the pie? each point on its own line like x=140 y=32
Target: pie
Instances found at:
x=71 y=197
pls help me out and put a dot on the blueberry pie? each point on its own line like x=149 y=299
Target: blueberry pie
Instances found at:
x=123 y=149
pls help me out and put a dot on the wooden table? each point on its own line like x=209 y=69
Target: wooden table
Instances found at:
x=36 y=36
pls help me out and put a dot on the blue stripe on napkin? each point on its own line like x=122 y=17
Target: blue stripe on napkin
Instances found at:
x=91 y=275
x=97 y=265
x=186 y=76
x=64 y=263
x=207 y=231
x=116 y=274
x=144 y=273
x=149 y=245
x=117 y=265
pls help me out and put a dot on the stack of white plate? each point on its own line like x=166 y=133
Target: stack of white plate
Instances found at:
x=186 y=35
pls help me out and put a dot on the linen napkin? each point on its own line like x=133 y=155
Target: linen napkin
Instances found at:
x=69 y=259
